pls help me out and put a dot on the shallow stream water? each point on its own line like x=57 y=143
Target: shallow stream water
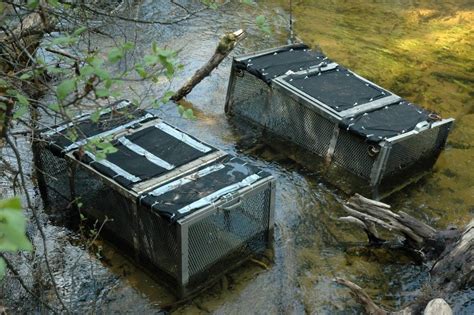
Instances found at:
x=421 y=50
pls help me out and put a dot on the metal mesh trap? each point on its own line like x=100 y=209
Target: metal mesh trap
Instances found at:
x=299 y=95
x=176 y=204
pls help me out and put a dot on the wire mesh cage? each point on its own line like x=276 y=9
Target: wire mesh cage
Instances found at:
x=52 y=166
x=301 y=96
x=175 y=204
x=216 y=218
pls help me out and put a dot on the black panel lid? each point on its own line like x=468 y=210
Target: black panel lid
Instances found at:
x=181 y=197
x=147 y=153
x=119 y=115
x=268 y=66
x=336 y=87
x=388 y=121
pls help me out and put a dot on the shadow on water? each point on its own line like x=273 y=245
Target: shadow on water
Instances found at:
x=421 y=51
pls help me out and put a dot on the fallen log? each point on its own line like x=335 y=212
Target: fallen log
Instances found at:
x=225 y=46
x=451 y=253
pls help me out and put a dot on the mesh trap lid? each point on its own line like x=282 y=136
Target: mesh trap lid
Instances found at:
x=118 y=116
x=177 y=199
x=336 y=87
x=386 y=122
x=146 y=153
x=273 y=64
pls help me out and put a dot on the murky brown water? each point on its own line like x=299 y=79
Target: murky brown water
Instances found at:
x=421 y=50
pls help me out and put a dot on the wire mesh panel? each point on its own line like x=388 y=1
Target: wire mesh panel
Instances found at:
x=229 y=230
x=159 y=242
x=409 y=151
x=249 y=97
x=352 y=153
x=295 y=122
x=53 y=172
x=102 y=202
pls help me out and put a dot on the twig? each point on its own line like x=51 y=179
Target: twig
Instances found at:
x=225 y=46
x=37 y=220
x=23 y=284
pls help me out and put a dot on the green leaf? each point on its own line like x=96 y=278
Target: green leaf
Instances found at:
x=72 y=135
x=54 y=3
x=95 y=116
x=22 y=99
x=260 y=19
x=64 y=41
x=248 y=2
x=12 y=203
x=166 y=97
x=79 y=31
x=101 y=73
x=12 y=226
x=151 y=60
x=262 y=24
x=55 y=107
x=87 y=70
x=26 y=75
x=21 y=110
x=181 y=109
x=141 y=71
x=3 y=83
x=115 y=54
x=108 y=83
x=32 y=4
x=189 y=114
x=65 y=88
x=128 y=46
x=102 y=92
x=95 y=61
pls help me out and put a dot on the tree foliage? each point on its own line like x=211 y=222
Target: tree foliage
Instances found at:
x=12 y=229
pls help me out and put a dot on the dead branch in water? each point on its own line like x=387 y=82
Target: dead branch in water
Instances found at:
x=451 y=250
x=225 y=46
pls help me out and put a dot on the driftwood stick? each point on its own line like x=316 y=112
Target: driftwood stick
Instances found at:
x=452 y=252
x=368 y=201
x=371 y=211
x=455 y=268
x=368 y=227
x=362 y=297
x=225 y=46
x=422 y=229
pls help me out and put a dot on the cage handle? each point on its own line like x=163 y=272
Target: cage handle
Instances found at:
x=233 y=206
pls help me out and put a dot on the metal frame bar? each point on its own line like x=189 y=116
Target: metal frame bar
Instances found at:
x=230 y=89
x=379 y=165
x=412 y=133
x=262 y=52
x=332 y=144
